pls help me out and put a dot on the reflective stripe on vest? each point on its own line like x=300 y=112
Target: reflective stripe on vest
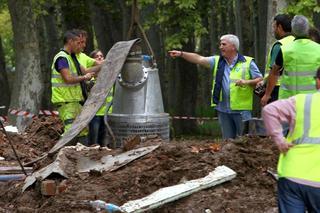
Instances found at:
x=62 y=92
x=305 y=138
x=301 y=59
x=244 y=93
x=302 y=160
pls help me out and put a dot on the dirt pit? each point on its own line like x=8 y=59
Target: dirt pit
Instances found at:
x=253 y=190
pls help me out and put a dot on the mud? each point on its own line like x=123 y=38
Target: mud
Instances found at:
x=253 y=190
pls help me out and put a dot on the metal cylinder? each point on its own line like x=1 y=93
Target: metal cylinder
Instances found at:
x=137 y=104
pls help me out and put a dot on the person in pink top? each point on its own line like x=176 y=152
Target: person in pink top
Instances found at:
x=299 y=162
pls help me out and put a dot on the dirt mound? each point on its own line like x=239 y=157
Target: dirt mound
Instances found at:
x=39 y=137
x=253 y=190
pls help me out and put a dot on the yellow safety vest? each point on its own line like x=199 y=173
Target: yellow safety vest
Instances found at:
x=241 y=98
x=85 y=60
x=301 y=60
x=284 y=41
x=303 y=160
x=62 y=92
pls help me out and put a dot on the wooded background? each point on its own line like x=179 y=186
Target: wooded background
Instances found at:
x=31 y=34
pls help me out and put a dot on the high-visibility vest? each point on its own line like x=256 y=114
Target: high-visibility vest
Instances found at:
x=102 y=110
x=301 y=60
x=85 y=60
x=303 y=160
x=284 y=41
x=88 y=62
x=241 y=97
x=62 y=92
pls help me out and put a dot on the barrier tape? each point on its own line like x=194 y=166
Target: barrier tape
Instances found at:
x=48 y=113
x=56 y=113
x=3 y=118
x=31 y=115
x=193 y=118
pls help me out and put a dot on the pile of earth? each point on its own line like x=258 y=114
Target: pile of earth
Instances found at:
x=253 y=190
x=38 y=138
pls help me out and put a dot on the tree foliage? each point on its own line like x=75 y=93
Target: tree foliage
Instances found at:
x=303 y=7
x=180 y=20
x=6 y=34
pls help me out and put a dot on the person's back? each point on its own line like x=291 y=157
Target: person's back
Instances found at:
x=300 y=59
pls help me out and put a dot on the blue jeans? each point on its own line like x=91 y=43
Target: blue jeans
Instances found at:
x=295 y=198
x=97 y=130
x=232 y=123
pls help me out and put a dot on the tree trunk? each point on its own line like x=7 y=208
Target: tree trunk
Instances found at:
x=183 y=92
x=316 y=17
x=50 y=43
x=99 y=22
x=4 y=84
x=247 y=28
x=238 y=23
x=204 y=75
x=126 y=18
x=260 y=22
x=28 y=88
x=274 y=7
x=213 y=32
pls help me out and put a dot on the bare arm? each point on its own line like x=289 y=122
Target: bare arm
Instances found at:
x=69 y=79
x=191 y=57
x=251 y=82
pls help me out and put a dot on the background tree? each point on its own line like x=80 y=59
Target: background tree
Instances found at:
x=28 y=86
x=189 y=25
x=5 y=51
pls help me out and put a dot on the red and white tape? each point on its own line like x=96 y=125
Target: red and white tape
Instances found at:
x=48 y=113
x=192 y=118
x=56 y=113
x=21 y=113
x=31 y=115
x=3 y=118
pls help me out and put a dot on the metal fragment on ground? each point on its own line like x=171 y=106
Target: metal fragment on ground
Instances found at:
x=165 y=195
x=61 y=165
x=57 y=167
x=110 y=162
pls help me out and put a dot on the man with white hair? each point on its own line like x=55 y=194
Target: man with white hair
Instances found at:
x=299 y=60
x=234 y=77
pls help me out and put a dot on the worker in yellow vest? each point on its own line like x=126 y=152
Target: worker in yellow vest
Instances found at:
x=299 y=60
x=234 y=77
x=281 y=28
x=299 y=162
x=97 y=128
x=67 y=76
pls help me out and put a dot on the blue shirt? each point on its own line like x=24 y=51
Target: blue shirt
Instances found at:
x=224 y=105
x=61 y=63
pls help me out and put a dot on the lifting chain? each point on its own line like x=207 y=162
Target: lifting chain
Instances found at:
x=135 y=24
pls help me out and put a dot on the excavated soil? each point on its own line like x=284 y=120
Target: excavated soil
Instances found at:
x=253 y=190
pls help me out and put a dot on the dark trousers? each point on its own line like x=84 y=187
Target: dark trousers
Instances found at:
x=97 y=131
x=274 y=94
x=297 y=198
